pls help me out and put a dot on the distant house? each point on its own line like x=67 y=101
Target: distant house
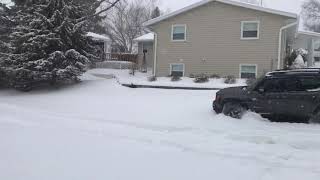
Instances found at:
x=103 y=43
x=227 y=38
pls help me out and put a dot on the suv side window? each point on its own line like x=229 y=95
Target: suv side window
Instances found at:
x=270 y=86
x=310 y=84
x=290 y=85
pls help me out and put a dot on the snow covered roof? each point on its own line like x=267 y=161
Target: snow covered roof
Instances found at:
x=309 y=33
x=98 y=36
x=231 y=2
x=145 y=38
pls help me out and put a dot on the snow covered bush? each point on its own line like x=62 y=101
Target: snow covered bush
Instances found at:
x=215 y=76
x=152 y=78
x=49 y=45
x=296 y=59
x=192 y=76
x=201 y=78
x=175 y=78
x=230 y=79
x=298 y=63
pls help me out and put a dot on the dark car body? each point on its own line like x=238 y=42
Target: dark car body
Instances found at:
x=291 y=93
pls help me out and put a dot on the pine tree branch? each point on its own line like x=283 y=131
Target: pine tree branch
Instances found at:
x=100 y=12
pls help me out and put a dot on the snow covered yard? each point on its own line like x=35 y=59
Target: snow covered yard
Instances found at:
x=100 y=130
x=142 y=79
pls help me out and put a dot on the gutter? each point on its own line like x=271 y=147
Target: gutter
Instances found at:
x=280 y=40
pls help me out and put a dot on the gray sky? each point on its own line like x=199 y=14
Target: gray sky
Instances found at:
x=285 y=5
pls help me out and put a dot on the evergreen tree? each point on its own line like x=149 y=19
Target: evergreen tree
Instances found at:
x=49 y=44
x=94 y=23
x=5 y=25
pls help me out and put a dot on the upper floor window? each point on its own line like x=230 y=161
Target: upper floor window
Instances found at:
x=250 y=29
x=178 y=32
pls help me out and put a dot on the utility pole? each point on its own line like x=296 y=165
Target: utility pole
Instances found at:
x=261 y=3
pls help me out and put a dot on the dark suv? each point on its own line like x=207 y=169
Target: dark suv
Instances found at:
x=293 y=95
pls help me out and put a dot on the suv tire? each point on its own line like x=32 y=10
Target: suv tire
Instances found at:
x=315 y=119
x=233 y=109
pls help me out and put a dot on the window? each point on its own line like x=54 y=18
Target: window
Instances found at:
x=178 y=33
x=248 y=71
x=250 y=29
x=177 y=70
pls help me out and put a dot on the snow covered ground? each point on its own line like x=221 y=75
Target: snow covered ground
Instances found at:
x=100 y=130
x=142 y=79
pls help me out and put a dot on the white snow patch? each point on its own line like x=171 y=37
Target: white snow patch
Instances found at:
x=98 y=36
x=146 y=37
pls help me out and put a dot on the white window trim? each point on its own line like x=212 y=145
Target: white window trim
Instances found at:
x=185 y=32
x=170 y=72
x=251 y=38
x=240 y=66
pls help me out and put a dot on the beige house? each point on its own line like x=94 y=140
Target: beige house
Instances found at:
x=223 y=37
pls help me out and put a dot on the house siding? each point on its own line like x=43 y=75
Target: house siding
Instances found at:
x=213 y=41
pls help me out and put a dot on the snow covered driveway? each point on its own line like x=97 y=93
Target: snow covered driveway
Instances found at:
x=99 y=130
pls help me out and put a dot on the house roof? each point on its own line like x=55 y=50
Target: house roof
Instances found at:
x=145 y=38
x=230 y=2
x=98 y=36
x=309 y=33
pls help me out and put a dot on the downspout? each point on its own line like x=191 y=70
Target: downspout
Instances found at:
x=155 y=46
x=280 y=41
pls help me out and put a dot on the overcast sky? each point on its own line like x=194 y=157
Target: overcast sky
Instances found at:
x=285 y=5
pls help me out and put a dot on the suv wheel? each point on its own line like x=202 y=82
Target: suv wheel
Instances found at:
x=233 y=109
x=315 y=119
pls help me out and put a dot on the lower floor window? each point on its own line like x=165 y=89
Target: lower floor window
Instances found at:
x=248 y=71
x=177 y=70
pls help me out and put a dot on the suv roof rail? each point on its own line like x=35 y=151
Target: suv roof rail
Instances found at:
x=284 y=71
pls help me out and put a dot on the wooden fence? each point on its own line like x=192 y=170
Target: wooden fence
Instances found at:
x=122 y=57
